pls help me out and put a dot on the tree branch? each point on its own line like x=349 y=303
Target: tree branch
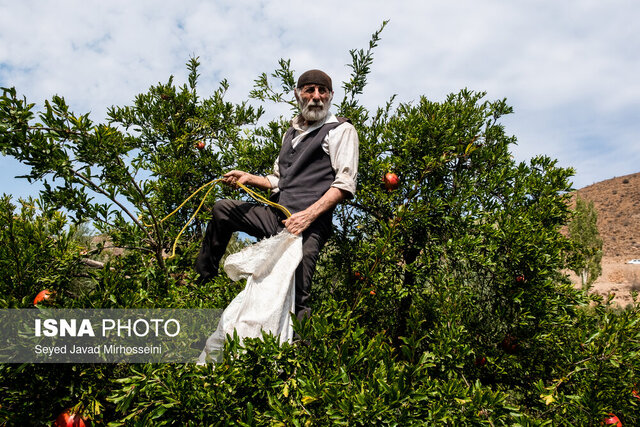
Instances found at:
x=142 y=195
x=98 y=189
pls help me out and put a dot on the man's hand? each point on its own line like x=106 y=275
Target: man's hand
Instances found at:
x=236 y=177
x=300 y=221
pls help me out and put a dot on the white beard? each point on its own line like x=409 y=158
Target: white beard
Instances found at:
x=315 y=114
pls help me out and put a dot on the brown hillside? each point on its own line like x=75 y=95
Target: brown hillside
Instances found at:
x=617 y=201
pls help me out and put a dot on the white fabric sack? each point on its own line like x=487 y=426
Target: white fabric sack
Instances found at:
x=268 y=299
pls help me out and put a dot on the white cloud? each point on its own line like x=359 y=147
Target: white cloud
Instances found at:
x=568 y=68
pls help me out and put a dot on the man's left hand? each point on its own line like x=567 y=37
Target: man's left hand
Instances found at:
x=298 y=222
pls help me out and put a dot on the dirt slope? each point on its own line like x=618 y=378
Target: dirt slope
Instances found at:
x=617 y=201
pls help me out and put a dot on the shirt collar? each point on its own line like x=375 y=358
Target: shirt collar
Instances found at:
x=296 y=123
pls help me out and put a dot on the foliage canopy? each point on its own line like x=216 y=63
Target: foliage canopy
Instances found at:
x=439 y=302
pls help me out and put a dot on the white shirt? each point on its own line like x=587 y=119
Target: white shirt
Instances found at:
x=341 y=144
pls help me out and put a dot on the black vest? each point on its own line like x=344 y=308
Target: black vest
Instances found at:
x=305 y=172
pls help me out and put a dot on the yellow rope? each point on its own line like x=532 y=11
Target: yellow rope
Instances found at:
x=260 y=198
x=257 y=196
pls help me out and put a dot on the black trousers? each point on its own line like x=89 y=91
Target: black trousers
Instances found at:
x=260 y=221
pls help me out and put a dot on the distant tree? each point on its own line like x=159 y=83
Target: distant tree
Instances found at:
x=583 y=231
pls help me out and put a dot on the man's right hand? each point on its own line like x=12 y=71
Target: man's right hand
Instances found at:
x=236 y=177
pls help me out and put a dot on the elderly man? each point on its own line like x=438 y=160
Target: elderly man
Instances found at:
x=316 y=170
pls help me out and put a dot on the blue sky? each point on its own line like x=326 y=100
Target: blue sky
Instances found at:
x=570 y=69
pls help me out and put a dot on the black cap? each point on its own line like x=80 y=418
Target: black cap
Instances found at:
x=316 y=77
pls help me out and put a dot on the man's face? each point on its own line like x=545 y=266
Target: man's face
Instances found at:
x=314 y=101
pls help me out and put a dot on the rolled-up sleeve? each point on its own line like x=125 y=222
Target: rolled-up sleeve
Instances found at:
x=342 y=146
x=274 y=178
